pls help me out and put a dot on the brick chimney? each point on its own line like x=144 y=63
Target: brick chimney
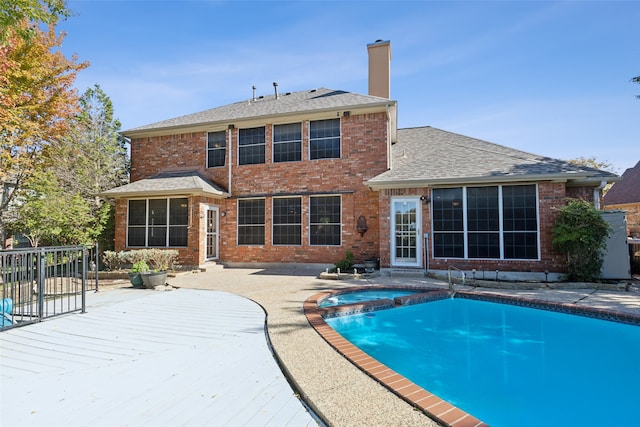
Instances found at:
x=380 y=68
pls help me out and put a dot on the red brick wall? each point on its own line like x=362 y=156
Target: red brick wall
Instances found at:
x=550 y=195
x=364 y=155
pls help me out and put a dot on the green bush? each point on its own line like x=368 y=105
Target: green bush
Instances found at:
x=580 y=234
x=345 y=264
x=156 y=259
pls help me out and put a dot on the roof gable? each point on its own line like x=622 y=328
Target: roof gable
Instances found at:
x=627 y=190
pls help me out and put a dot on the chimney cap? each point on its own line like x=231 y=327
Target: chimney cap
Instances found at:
x=379 y=41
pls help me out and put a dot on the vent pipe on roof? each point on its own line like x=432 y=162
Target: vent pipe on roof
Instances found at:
x=275 y=88
x=254 y=93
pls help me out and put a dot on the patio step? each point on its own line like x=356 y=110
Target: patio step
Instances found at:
x=210 y=266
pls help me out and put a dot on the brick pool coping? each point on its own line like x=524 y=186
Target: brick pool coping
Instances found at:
x=430 y=404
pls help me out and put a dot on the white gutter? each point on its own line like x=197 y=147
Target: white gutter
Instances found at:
x=596 y=194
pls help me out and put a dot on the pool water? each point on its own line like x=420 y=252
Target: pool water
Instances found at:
x=361 y=296
x=509 y=365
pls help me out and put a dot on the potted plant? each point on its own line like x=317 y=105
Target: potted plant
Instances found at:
x=135 y=273
x=161 y=261
x=154 y=278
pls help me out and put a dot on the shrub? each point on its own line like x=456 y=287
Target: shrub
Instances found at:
x=580 y=234
x=345 y=264
x=113 y=260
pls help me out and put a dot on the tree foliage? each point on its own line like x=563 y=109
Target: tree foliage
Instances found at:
x=88 y=159
x=592 y=162
x=580 y=234
x=37 y=100
x=13 y=13
x=636 y=80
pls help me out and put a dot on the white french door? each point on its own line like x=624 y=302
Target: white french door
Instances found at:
x=405 y=232
x=211 y=233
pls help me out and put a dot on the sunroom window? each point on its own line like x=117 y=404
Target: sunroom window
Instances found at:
x=491 y=222
x=158 y=222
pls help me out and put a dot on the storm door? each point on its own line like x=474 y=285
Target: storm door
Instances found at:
x=211 y=233
x=405 y=232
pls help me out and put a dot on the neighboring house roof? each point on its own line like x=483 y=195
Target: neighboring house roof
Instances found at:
x=286 y=104
x=428 y=156
x=168 y=183
x=627 y=190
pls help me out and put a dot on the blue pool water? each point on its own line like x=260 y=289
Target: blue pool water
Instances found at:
x=361 y=296
x=509 y=365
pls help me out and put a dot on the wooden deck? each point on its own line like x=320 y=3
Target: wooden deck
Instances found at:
x=144 y=358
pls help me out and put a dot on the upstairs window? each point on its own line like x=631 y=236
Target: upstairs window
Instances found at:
x=251 y=222
x=158 y=222
x=324 y=139
x=287 y=221
x=251 y=146
x=287 y=143
x=216 y=148
x=325 y=227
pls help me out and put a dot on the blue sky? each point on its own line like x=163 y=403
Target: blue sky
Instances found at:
x=551 y=78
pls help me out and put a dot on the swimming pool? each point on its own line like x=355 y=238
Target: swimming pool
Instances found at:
x=508 y=365
x=363 y=295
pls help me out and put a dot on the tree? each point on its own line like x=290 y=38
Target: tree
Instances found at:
x=592 y=162
x=37 y=100
x=636 y=80
x=60 y=202
x=15 y=12
x=580 y=234
x=91 y=157
x=47 y=212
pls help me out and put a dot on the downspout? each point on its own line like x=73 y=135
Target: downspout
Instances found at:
x=389 y=157
x=596 y=194
x=230 y=145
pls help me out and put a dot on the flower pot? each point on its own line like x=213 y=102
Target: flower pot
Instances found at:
x=136 y=280
x=370 y=265
x=154 y=278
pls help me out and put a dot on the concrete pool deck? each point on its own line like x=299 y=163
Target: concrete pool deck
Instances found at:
x=337 y=390
x=334 y=388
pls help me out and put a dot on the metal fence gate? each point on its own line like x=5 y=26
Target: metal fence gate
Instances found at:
x=39 y=283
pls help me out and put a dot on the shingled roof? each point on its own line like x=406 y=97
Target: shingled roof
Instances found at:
x=168 y=183
x=627 y=190
x=426 y=156
x=315 y=100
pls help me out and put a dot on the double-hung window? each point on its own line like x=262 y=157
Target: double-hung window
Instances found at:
x=287 y=221
x=158 y=222
x=325 y=226
x=251 y=222
x=287 y=142
x=251 y=146
x=216 y=148
x=493 y=222
x=324 y=139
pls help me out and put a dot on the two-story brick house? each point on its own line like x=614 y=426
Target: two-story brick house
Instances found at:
x=303 y=177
